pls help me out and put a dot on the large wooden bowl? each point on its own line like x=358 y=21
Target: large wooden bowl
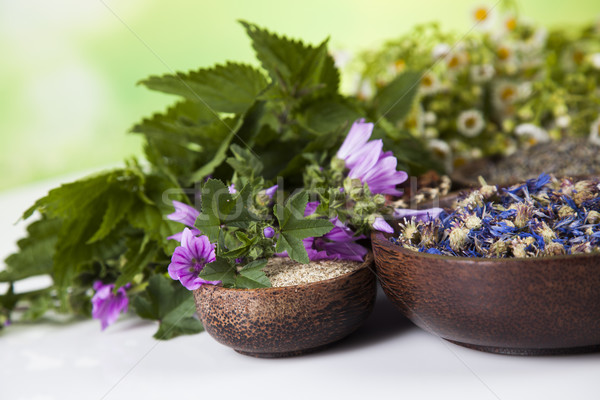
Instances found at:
x=532 y=306
x=291 y=320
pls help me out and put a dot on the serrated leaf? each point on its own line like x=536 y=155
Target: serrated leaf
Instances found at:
x=395 y=100
x=252 y=276
x=119 y=204
x=299 y=69
x=294 y=227
x=246 y=244
x=171 y=304
x=219 y=270
x=229 y=88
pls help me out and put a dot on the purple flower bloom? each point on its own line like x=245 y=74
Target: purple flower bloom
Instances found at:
x=271 y=191
x=186 y=215
x=269 y=232
x=367 y=161
x=106 y=305
x=419 y=215
x=381 y=225
x=190 y=258
x=231 y=189
x=337 y=244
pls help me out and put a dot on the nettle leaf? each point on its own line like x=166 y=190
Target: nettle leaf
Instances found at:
x=244 y=161
x=252 y=276
x=220 y=207
x=171 y=304
x=35 y=251
x=245 y=245
x=395 y=100
x=298 y=68
x=119 y=204
x=294 y=227
x=229 y=88
x=222 y=269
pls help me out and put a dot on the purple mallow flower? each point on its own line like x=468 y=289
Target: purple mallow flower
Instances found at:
x=310 y=208
x=381 y=225
x=231 y=189
x=367 y=161
x=186 y=215
x=269 y=232
x=419 y=215
x=106 y=305
x=337 y=244
x=190 y=258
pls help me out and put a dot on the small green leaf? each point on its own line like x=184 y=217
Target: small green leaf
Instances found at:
x=219 y=270
x=119 y=204
x=169 y=303
x=244 y=162
x=294 y=227
x=252 y=276
x=395 y=100
x=229 y=88
x=137 y=257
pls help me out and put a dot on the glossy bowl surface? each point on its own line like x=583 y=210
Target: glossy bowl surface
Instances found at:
x=533 y=306
x=291 y=320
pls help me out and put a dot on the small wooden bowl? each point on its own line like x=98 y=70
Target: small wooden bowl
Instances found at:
x=288 y=321
x=533 y=306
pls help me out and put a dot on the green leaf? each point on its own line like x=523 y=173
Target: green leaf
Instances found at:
x=169 y=303
x=252 y=276
x=298 y=69
x=222 y=269
x=246 y=244
x=220 y=207
x=119 y=204
x=35 y=252
x=244 y=162
x=395 y=100
x=229 y=88
x=137 y=257
x=294 y=227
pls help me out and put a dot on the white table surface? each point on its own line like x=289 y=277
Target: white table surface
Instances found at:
x=387 y=358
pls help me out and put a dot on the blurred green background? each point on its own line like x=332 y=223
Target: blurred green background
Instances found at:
x=69 y=67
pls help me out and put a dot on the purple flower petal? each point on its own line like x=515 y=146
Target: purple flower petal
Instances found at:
x=269 y=232
x=381 y=225
x=419 y=215
x=357 y=137
x=183 y=213
x=231 y=189
x=107 y=306
x=271 y=191
x=311 y=207
x=190 y=258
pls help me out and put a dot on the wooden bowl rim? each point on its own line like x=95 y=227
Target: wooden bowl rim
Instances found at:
x=383 y=240
x=365 y=264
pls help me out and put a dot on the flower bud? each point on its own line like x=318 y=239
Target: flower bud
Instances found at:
x=269 y=232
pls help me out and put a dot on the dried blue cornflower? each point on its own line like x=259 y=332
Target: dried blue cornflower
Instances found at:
x=540 y=217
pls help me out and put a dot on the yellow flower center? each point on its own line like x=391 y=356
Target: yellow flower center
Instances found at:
x=511 y=23
x=470 y=122
x=503 y=53
x=481 y=14
x=453 y=62
x=427 y=81
x=400 y=65
x=507 y=93
x=578 y=57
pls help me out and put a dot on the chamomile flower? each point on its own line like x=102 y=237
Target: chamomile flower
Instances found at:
x=563 y=121
x=505 y=94
x=595 y=60
x=483 y=17
x=595 y=132
x=532 y=132
x=456 y=60
x=429 y=84
x=482 y=73
x=440 y=50
x=470 y=123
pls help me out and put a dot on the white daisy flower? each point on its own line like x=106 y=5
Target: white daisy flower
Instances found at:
x=534 y=133
x=440 y=50
x=430 y=118
x=470 y=123
x=505 y=93
x=595 y=132
x=484 y=17
x=563 y=121
x=443 y=151
x=429 y=84
x=482 y=73
x=595 y=60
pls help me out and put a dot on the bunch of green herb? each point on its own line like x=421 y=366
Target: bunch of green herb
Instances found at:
x=236 y=123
